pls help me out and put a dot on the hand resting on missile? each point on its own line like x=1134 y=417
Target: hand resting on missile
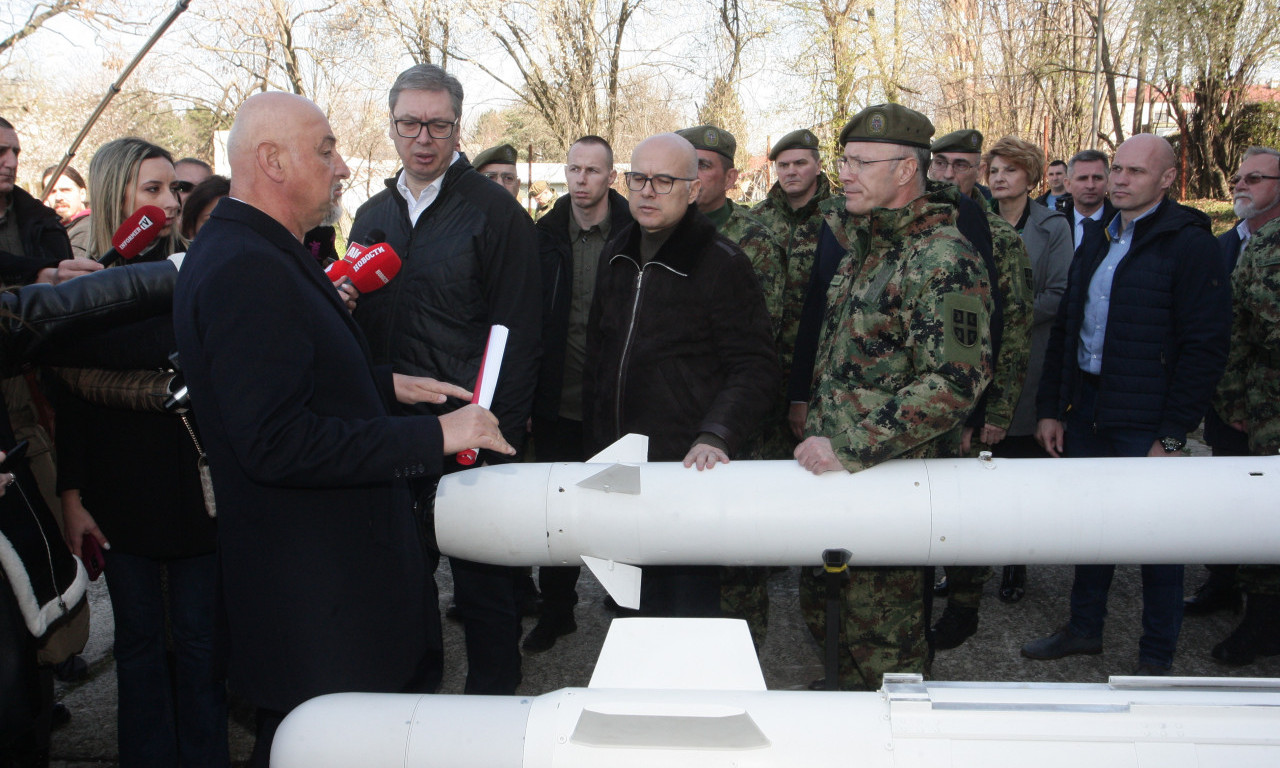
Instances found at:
x=1050 y=436
x=423 y=389
x=705 y=456
x=816 y=455
x=472 y=427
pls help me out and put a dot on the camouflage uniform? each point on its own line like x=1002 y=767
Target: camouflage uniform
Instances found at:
x=965 y=582
x=904 y=354
x=1250 y=387
x=797 y=231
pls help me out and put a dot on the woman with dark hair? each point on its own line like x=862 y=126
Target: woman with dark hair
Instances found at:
x=129 y=480
x=200 y=202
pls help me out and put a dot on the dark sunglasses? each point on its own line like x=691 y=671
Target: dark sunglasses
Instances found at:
x=182 y=186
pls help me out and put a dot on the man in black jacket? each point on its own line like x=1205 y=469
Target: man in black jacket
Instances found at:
x=679 y=345
x=1138 y=347
x=470 y=261
x=570 y=239
x=325 y=580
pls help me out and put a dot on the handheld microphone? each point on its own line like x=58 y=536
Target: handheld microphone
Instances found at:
x=375 y=267
x=135 y=235
x=341 y=269
x=338 y=271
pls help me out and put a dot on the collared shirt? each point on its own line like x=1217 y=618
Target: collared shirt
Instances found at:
x=1093 y=330
x=1242 y=230
x=587 y=244
x=424 y=200
x=1078 y=231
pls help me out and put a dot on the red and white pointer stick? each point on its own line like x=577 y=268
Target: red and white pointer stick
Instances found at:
x=487 y=380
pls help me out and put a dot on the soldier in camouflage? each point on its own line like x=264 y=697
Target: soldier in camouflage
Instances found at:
x=744 y=590
x=957 y=159
x=1248 y=399
x=905 y=352
x=791 y=211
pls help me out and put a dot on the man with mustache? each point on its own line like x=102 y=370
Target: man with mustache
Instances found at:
x=1256 y=194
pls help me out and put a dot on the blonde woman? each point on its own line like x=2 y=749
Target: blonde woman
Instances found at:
x=129 y=480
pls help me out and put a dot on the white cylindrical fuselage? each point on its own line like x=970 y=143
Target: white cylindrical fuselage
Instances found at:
x=1146 y=723
x=907 y=512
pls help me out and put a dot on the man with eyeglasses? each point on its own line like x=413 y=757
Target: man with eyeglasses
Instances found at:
x=904 y=353
x=679 y=345
x=1135 y=353
x=570 y=238
x=1256 y=191
x=469 y=261
x=1250 y=389
x=957 y=160
x=498 y=164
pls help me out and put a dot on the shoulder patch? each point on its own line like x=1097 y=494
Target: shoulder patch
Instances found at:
x=963 y=318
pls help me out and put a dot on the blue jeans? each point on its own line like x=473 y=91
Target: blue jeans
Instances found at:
x=1161 y=584
x=152 y=730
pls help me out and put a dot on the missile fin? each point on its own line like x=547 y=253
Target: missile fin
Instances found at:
x=630 y=448
x=620 y=580
x=619 y=478
x=680 y=655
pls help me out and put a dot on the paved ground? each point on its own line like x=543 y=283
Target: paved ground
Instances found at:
x=790 y=658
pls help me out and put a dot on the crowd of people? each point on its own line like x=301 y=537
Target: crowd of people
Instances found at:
x=272 y=536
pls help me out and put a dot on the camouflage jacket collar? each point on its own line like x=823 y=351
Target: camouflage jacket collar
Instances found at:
x=936 y=207
x=780 y=202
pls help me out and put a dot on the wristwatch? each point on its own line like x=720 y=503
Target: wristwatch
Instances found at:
x=1172 y=444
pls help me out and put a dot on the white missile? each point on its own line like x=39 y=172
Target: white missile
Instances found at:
x=687 y=692
x=617 y=511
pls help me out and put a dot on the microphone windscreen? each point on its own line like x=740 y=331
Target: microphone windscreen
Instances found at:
x=139 y=231
x=375 y=268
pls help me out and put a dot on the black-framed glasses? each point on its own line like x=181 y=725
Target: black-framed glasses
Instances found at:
x=661 y=183
x=1250 y=178
x=959 y=166
x=856 y=164
x=501 y=178
x=182 y=187
x=436 y=129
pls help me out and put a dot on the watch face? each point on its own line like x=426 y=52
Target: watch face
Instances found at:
x=1172 y=444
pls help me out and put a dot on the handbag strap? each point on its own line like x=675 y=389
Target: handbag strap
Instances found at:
x=186 y=422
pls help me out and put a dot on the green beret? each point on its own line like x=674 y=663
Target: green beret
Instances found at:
x=504 y=154
x=965 y=140
x=711 y=138
x=890 y=124
x=801 y=139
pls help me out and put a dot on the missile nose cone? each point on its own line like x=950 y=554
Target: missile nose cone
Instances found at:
x=494 y=514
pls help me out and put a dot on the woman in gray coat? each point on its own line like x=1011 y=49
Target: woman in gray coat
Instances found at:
x=1014 y=168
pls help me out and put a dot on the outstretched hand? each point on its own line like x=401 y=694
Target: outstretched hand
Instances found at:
x=423 y=389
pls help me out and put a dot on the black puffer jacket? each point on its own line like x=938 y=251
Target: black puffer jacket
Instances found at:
x=470 y=262
x=44 y=241
x=1168 y=327
x=556 y=254
x=680 y=346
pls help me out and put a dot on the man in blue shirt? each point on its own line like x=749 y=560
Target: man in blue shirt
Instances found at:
x=1138 y=346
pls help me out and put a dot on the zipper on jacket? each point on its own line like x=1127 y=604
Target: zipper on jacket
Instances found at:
x=626 y=348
